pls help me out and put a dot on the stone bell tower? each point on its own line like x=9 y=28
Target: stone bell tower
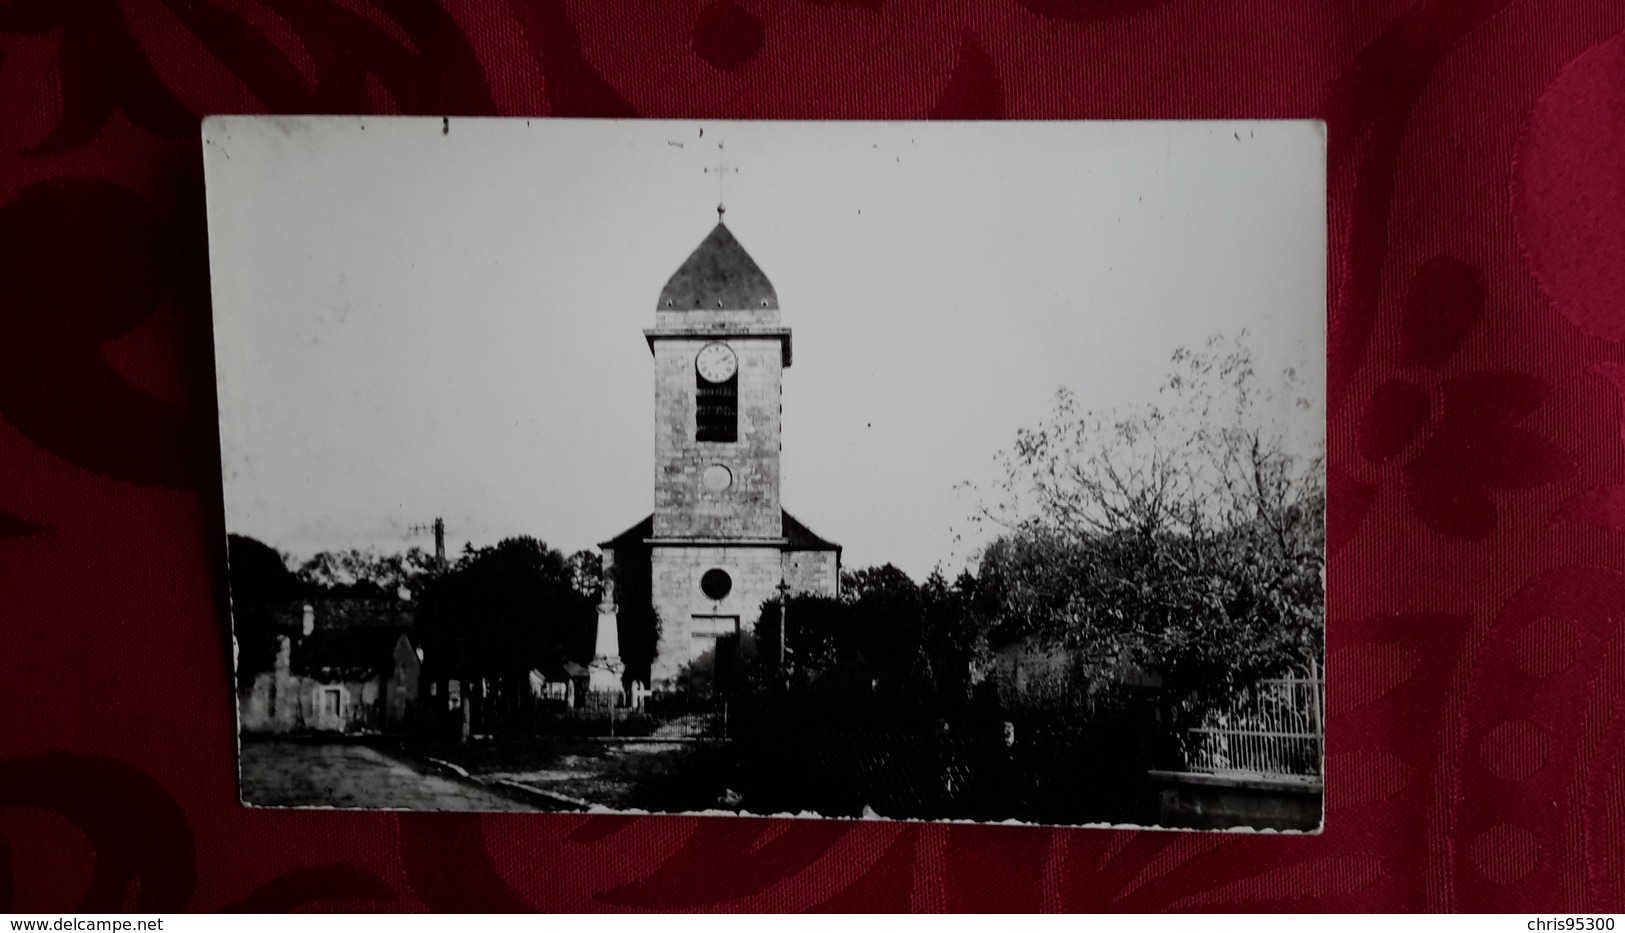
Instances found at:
x=719 y=354
x=719 y=543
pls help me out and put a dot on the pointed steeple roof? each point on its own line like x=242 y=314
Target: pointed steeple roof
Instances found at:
x=718 y=275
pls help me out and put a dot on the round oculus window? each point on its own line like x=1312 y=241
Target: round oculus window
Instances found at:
x=716 y=583
x=717 y=477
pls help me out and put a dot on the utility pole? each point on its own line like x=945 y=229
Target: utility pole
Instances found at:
x=438 y=526
x=439 y=670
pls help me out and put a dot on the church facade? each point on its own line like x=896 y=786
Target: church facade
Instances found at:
x=719 y=542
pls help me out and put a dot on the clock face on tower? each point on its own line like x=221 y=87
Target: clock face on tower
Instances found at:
x=716 y=363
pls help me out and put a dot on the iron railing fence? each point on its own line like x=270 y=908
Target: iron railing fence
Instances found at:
x=1275 y=729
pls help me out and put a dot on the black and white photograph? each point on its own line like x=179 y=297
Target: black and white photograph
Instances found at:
x=908 y=471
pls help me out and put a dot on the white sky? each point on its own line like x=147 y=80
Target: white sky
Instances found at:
x=413 y=322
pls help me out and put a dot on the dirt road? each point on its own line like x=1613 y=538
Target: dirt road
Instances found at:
x=283 y=773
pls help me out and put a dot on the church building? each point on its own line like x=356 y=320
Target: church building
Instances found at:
x=719 y=542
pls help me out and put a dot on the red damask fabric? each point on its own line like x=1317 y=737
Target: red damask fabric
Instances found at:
x=1477 y=582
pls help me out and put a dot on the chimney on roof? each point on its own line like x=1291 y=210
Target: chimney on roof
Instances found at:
x=310 y=619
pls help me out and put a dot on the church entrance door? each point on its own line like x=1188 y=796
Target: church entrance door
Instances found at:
x=713 y=667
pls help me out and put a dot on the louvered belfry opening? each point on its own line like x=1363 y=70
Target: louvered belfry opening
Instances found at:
x=716 y=416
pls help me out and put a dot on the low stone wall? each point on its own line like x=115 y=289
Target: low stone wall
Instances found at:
x=1225 y=801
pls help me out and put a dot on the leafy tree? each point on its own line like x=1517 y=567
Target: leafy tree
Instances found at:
x=637 y=622
x=953 y=638
x=502 y=610
x=261 y=585
x=587 y=574
x=1184 y=537
x=907 y=646
x=886 y=626
x=366 y=574
x=818 y=627
x=885 y=583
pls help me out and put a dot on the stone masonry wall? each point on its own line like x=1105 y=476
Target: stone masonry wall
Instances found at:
x=271 y=702
x=721 y=319
x=678 y=598
x=815 y=572
x=750 y=506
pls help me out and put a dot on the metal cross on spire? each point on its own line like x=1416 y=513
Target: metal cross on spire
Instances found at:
x=722 y=169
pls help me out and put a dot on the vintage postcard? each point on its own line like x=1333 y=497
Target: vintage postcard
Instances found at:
x=914 y=471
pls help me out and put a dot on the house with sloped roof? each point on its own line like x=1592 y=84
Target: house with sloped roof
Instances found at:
x=344 y=666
